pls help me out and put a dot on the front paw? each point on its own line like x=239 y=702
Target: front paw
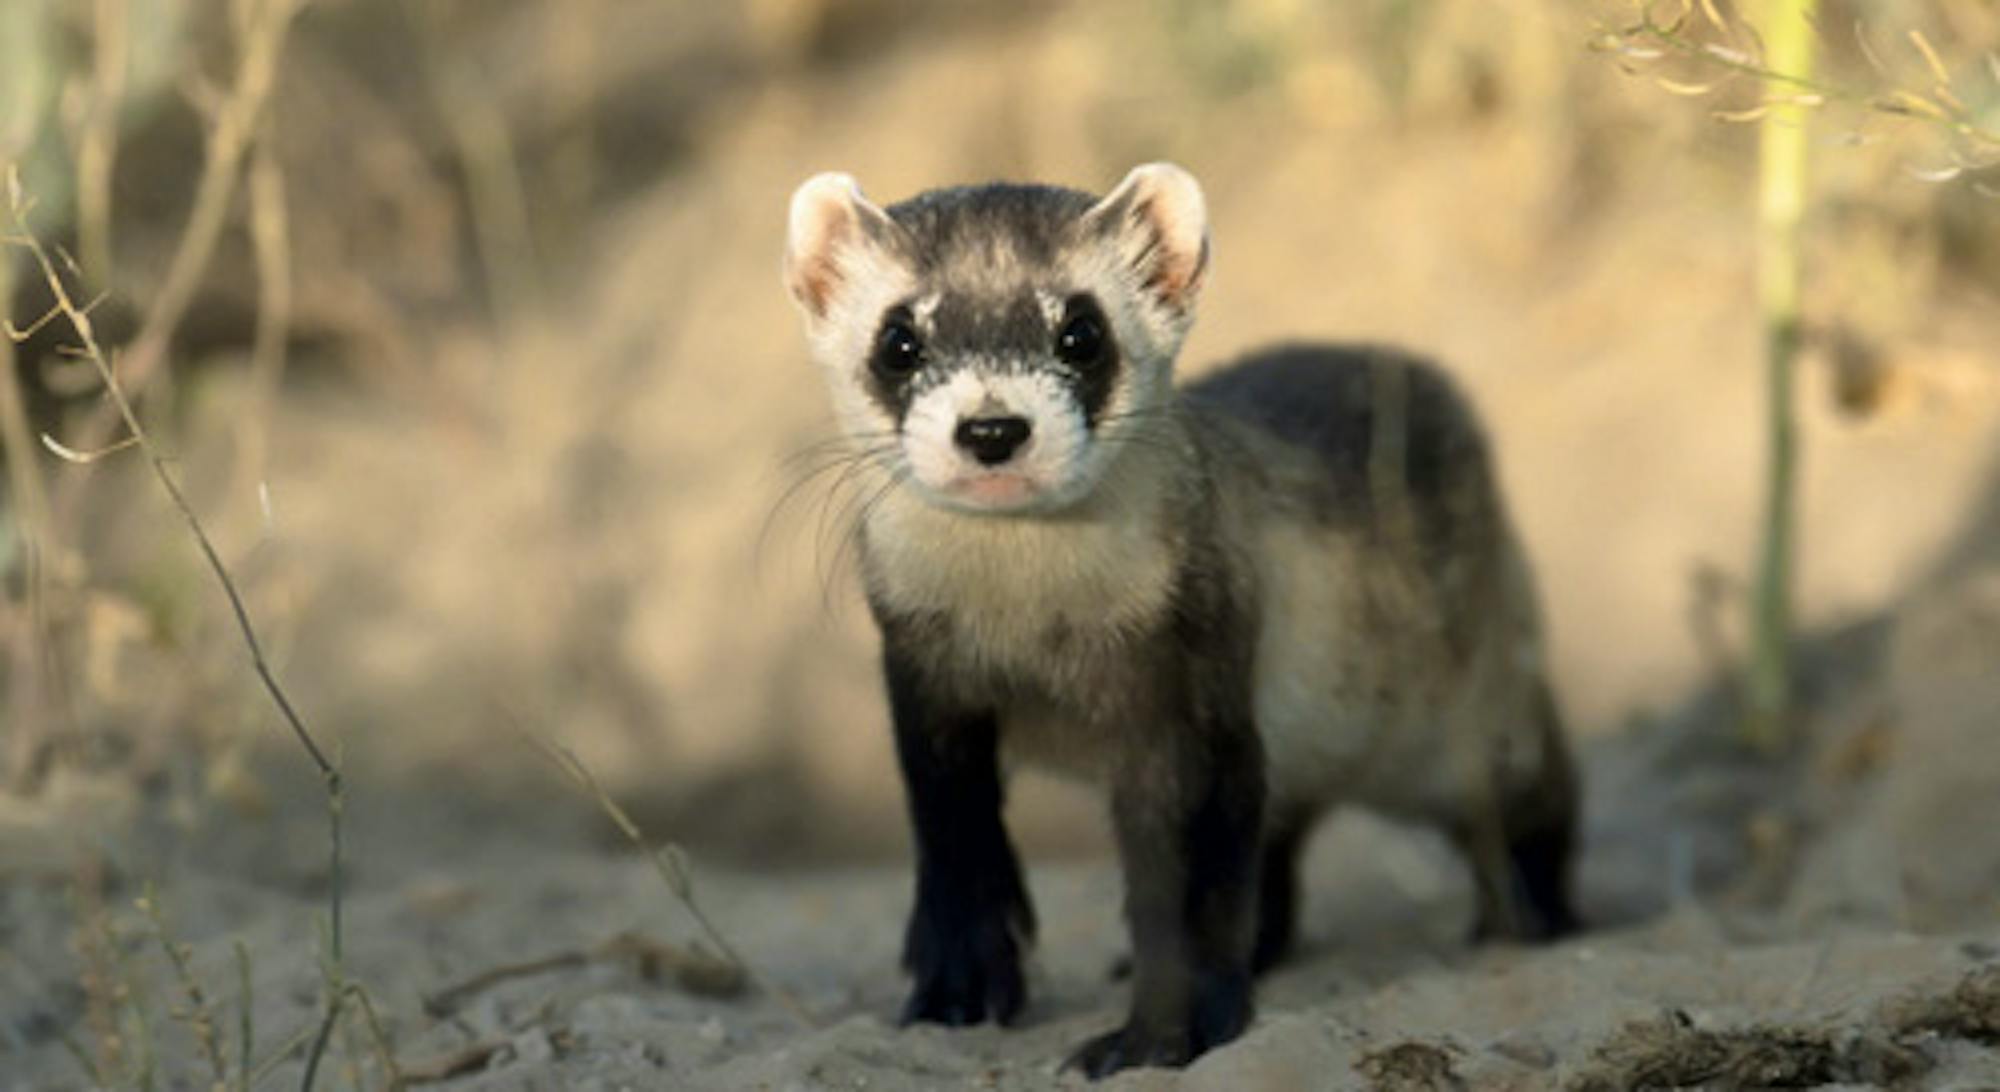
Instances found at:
x=1128 y=1047
x=1220 y=1014
x=966 y=972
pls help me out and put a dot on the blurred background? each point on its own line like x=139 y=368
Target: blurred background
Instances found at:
x=462 y=322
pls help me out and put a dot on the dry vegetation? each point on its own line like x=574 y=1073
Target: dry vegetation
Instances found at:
x=455 y=331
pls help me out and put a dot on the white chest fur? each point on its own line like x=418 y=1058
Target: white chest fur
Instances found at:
x=1012 y=588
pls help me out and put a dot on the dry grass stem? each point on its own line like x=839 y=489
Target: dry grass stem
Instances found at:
x=575 y=71
x=1973 y=138
x=28 y=742
x=85 y=458
x=378 y=1038
x=80 y=322
x=97 y=143
x=246 y=1026
x=468 y=1059
x=290 y=1047
x=199 y=1014
x=499 y=201
x=115 y=1006
x=671 y=864
x=232 y=130
x=694 y=970
x=442 y=1003
x=271 y=242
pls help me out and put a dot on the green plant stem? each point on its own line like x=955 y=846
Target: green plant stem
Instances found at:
x=1782 y=181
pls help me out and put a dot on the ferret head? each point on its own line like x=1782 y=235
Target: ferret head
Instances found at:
x=999 y=344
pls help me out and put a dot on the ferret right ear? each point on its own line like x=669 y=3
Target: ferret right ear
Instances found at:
x=1159 y=223
x=830 y=221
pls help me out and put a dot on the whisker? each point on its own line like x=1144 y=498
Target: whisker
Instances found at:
x=844 y=441
x=851 y=541
x=875 y=459
x=844 y=461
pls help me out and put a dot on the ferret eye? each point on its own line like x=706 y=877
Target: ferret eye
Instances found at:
x=898 y=350
x=1080 y=342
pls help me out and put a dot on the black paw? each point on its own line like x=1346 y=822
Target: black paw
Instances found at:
x=1126 y=1048
x=1538 y=908
x=966 y=972
x=1220 y=1013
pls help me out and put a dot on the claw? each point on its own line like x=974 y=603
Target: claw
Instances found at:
x=1126 y=1048
x=966 y=974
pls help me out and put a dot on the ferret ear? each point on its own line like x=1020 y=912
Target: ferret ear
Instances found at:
x=1159 y=222
x=830 y=221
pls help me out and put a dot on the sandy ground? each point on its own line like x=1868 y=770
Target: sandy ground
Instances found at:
x=564 y=521
x=1827 y=922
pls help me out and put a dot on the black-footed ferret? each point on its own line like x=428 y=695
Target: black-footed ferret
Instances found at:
x=1289 y=586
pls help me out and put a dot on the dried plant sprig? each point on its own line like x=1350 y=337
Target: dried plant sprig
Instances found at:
x=231 y=133
x=28 y=739
x=332 y=967
x=670 y=863
x=85 y=458
x=80 y=323
x=1649 y=40
x=246 y=1027
x=285 y=1050
x=693 y=967
x=116 y=1005
x=199 y=1014
x=97 y=142
x=271 y=244
x=378 y=1038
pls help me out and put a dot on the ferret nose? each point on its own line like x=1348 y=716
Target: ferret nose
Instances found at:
x=992 y=440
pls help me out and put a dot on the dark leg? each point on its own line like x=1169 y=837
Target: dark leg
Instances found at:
x=1541 y=835
x=1187 y=813
x=1278 y=893
x=1541 y=859
x=972 y=915
x=1277 y=899
x=1523 y=875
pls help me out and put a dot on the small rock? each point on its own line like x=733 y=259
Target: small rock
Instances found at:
x=1526 y=1050
x=533 y=1047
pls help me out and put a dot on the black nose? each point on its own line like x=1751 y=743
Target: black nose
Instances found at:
x=992 y=440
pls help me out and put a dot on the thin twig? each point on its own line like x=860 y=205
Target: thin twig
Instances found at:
x=671 y=865
x=336 y=985
x=444 y=1002
x=320 y=1039
x=229 y=139
x=694 y=969
x=80 y=322
x=270 y=237
x=467 y=1059
x=246 y=1028
x=29 y=739
x=97 y=144
x=285 y=1050
x=85 y=458
x=1649 y=39
x=200 y=1014
x=378 y=1039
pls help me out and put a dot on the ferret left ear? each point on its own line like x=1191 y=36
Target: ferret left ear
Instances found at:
x=830 y=222
x=1160 y=223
